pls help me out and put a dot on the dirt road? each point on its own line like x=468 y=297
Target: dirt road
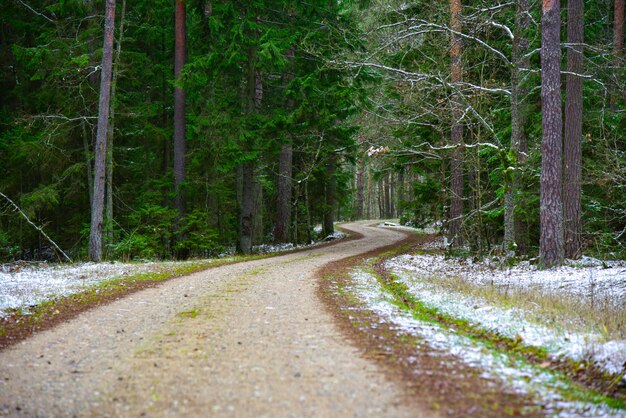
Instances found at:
x=245 y=340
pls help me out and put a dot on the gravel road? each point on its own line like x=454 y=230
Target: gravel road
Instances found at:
x=244 y=340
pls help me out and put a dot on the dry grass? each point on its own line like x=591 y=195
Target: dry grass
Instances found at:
x=554 y=309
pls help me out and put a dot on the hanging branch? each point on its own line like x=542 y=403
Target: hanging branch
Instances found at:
x=21 y=212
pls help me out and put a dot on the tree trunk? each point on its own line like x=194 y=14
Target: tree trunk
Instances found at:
x=179 y=109
x=572 y=169
x=331 y=190
x=285 y=171
x=247 y=209
x=456 y=165
x=369 y=194
x=551 y=250
x=95 y=234
x=618 y=29
x=401 y=198
x=283 y=209
x=88 y=164
x=257 y=219
x=512 y=234
x=359 y=189
x=111 y=132
x=618 y=46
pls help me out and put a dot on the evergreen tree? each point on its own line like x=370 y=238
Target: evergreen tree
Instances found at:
x=97 y=208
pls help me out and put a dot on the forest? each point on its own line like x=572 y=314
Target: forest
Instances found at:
x=175 y=129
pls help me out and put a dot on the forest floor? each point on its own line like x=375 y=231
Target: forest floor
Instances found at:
x=314 y=333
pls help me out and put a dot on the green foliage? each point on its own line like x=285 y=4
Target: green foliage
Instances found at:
x=8 y=250
x=198 y=237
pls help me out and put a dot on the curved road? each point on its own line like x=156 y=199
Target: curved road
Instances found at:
x=244 y=340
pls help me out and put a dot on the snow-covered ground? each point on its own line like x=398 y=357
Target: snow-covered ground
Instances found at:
x=514 y=375
x=27 y=284
x=278 y=248
x=395 y=225
x=23 y=285
x=578 y=283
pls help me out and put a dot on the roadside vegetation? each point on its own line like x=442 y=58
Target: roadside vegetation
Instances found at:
x=567 y=358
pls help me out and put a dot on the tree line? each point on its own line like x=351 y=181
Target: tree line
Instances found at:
x=159 y=129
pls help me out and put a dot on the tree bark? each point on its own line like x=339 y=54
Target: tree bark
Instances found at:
x=179 y=109
x=283 y=209
x=618 y=46
x=88 y=164
x=572 y=168
x=285 y=171
x=512 y=238
x=618 y=28
x=359 y=189
x=111 y=133
x=551 y=250
x=330 y=197
x=456 y=164
x=400 y=197
x=247 y=209
x=95 y=234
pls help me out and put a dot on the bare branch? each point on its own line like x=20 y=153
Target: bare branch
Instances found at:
x=505 y=28
x=21 y=212
x=36 y=12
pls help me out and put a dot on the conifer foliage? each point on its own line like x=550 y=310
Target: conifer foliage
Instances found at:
x=237 y=123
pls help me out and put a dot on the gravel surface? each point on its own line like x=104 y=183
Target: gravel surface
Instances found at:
x=245 y=340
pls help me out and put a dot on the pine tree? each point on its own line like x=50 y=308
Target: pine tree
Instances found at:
x=551 y=249
x=95 y=236
x=180 y=52
x=519 y=142
x=572 y=154
x=456 y=164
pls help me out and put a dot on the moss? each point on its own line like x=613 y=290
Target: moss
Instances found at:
x=189 y=314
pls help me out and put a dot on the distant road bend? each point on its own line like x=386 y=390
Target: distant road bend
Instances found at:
x=243 y=340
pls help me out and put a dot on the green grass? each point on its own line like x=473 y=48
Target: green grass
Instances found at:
x=189 y=314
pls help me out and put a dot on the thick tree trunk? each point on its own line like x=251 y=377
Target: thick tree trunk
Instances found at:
x=95 y=234
x=456 y=164
x=572 y=169
x=283 y=209
x=247 y=208
x=512 y=234
x=285 y=171
x=551 y=249
x=330 y=198
x=180 y=53
x=111 y=132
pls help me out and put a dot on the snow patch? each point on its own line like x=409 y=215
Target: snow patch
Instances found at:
x=394 y=225
x=515 y=376
x=584 y=284
x=23 y=286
